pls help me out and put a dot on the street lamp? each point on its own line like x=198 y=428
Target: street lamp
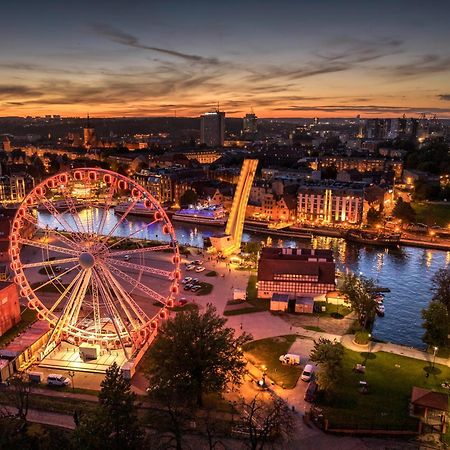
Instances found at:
x=72 y=375
x=435 y=349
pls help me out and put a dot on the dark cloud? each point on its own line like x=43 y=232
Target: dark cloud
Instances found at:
x=426 y=64
x=15 y=91
x=445 y=97
x=129 y=40
x=370 y=109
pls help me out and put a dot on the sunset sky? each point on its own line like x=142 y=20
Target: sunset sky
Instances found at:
x=282 y=58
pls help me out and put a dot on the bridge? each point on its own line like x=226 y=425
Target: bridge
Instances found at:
x=230 y=242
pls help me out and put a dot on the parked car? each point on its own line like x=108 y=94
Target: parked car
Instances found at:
x=200 y=269
x=196 y=288
x=308 y=372
x=195 y=281
x=58 y=269
x=126 y=257
x=290 y=358
x=190 y=267
x=57 y=380
x=188 y=286
x=311 y=392
x=198 y=262
x=182 y=301
x=186 y=280
x=35 y=377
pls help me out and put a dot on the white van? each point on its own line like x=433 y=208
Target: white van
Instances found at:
x=290 y=358
x=54 y=379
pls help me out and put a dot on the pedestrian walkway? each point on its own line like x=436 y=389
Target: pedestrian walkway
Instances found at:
x=410 y=352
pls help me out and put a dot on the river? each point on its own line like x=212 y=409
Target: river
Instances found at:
x=407 y=272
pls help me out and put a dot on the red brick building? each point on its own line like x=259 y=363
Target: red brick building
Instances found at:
x=295 y=271
x=9 y=306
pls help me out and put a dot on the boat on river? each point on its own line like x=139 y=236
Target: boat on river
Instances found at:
x=372 y=238
x=205 y=215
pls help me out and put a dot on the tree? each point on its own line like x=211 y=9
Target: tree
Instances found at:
x=436 y=324
x=328 y=356
x=373 y=216
x=19 y=394
x=189 y=197
x=265 y=420
x=441 y=287
x=114 y=424
x=404 y=211
x=359 y=291
x=196 y=353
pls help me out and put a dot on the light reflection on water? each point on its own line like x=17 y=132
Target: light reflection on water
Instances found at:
x=406 y=271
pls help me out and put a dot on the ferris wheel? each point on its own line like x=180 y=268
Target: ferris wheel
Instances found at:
x=86 y=265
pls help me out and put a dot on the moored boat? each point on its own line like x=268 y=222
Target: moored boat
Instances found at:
x=208 y=215
x=372 y=238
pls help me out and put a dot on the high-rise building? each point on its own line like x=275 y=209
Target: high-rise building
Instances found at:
x=212 y=129
x=89 y=138
x=250 y=124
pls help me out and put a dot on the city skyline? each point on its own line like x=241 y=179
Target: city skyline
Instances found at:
x=283 y=60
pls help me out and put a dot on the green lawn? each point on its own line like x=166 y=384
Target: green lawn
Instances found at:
x=431 y=214
x=390 y=379
x=337 y=311
x=28 y=317
x=267 y=351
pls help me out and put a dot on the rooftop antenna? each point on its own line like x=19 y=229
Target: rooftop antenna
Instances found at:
x=218 y=106
x=88 y=123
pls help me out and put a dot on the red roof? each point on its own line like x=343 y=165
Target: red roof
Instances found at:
x=429 y=399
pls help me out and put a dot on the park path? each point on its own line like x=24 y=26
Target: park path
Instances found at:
x=410 y=352
x=46 y=417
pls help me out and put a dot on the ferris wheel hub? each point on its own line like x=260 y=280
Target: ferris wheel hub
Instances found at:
x=86 y=260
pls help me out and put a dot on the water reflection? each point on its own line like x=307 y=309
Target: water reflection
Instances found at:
x=406 y=271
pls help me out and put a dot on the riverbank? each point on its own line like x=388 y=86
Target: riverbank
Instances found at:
x=306 y=233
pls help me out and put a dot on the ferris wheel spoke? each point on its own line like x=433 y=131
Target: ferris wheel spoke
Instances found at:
x=106 y=208
x=158 y=248
x=52 y=262
x=96 y=305
x=56 y=214
x=74 y=211
x=54 y=248
x=132 y=234
x=56 y=278
x=140 y=268
x=120 y=292
x=65 y=292
x=122 y=218
x=113 y=313
x=70 y=242
x=80 y=297
x=137 y=284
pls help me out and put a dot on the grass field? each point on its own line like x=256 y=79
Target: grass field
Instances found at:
x=267 y=351
x=432 y=214
x=386 y=406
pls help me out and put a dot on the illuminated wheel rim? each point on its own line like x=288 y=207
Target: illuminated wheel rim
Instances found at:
x=110 y=289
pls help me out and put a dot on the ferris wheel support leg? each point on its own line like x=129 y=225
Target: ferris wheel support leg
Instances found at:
x=54 y=337
x=114 y=315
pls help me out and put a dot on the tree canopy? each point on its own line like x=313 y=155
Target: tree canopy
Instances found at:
x=190 y=197
x=436 y=325
x=328 y=356
x=114 y=424
x=195 y=353
x=359 y=291
x=404 y=211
